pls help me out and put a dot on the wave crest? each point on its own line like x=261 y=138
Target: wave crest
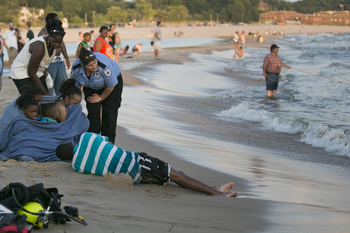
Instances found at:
x=318 y=135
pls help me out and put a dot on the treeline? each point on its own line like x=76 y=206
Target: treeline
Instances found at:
x=100 y=11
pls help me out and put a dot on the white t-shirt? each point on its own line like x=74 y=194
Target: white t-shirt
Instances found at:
x=159 y=34
x=11 y=39
x=236 y=38
x=19 y=68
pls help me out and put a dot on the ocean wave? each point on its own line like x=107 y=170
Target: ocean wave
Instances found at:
x=338 y=64
x=318 y=135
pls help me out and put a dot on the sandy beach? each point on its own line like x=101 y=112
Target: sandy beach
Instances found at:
x=72 y=34
x=113 y=204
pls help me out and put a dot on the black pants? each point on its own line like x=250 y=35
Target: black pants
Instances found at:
x=110 y=107
x=21 y=82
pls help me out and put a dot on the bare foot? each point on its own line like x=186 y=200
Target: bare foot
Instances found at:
x=157 y=58
x=230 y=194
x=225 y=187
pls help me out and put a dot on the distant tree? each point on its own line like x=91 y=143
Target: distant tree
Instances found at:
x=116 y=14
x=235 y=11
x=177 y=13
x=71 y=8
x=100 y=19
x=255 y=3
x=175 y=2
x=144 y=9
x=161 y=15
x=9 y=11
x=76 y=19
x=223 y=16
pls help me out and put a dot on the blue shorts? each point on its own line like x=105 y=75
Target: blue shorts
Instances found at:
x=270 y=85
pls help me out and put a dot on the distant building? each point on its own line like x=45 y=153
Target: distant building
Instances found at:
x=293 y=17
x=328 y=17
x=26 y=15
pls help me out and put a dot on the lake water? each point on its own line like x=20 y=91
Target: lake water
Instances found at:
x=292 y=149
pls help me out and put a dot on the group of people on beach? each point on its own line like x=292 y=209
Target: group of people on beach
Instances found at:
x=14 y=43
x=108 y=42
x=97 y=75
x=236 y=39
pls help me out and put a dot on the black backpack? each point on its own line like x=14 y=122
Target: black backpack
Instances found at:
x=24 y=194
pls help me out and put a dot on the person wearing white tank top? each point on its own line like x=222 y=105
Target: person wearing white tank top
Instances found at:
x=30 y=65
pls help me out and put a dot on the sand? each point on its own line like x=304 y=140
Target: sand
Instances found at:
x=113 y=204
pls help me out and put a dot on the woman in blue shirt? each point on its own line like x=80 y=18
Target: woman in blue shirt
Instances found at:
x=102 y=84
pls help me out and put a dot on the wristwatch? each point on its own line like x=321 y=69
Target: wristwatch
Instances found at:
x=99 y=98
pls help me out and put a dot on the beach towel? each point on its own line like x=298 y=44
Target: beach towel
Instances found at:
x=12 y=110
x=26 y=139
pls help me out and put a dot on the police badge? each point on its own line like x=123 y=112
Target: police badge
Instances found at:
x=107 y=72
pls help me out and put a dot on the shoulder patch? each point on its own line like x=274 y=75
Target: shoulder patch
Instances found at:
x=100 y=64
x=107 y=72
x=76 y=66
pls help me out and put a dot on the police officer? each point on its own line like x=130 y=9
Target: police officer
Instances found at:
x=102 y=84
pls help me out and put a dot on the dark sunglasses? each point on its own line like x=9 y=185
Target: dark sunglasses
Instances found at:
x=90 y=56
x=57 y=32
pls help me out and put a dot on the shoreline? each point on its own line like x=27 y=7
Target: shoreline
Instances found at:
x=172 y=207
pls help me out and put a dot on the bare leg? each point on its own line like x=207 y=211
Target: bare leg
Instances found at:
x=269 y=93
x=274 y=93
x=117 y=52
x=156 y=54
x=190 y=183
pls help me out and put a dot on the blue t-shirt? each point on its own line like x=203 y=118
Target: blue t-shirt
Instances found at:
x=94 y=155
x=106 y=75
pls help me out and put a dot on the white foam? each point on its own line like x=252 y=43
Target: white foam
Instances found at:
x=317 y=135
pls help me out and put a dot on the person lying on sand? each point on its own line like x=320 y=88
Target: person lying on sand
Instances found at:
x=95 y=155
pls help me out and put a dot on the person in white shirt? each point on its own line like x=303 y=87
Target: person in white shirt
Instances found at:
x=157 y=39
x=235 y=39
x=10 y=41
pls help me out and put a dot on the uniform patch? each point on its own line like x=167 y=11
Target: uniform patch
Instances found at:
x=97 y=75
x=107 y=72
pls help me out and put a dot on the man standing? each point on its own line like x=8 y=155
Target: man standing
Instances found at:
x=272 y=69
x=157 y=39
x=30 y=33
x=10 y=41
